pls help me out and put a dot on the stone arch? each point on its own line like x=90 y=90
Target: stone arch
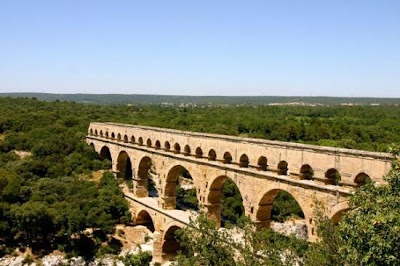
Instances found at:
x=282 y=168
x=141 y=184
x=227 y=158
x=214 y=198
x=95 y=132
x=172 y=181
x=140 y=141
x=119 y=137
x=125 y=138
x=124 y=166
x=107 y=135
x=148 y=143
x=212 y=155
x=105 y=153
x=265 y=205
x=361 y=179
x=262 y=163
x=186 y=150
x=112 y=135
x=338 y=211
x=91 y=131
x=199 y=152
x=170 y=245
x=101 y=133
x=306 y=172
x=158 y=145
x=132 y=139
x=167 y=146
x=333 y=176
x=144 y=218
x=177 y=148
x=244 y=161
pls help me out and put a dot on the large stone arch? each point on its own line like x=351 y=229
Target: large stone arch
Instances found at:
x=171 y=173
x=140 y=184
x=124 y=166
x=214 y=195
x=170 y=245
x=105 y=153
x=264 y=205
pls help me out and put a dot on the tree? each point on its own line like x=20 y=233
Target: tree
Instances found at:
x=371 y=229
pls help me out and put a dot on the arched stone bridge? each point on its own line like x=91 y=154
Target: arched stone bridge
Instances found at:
x=259 y=168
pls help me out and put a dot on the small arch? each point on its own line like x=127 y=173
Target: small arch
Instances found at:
x=140 y=141
x=199 y=152
x=107 y=134
x=262 y=163
x=306 y=172
x=362 y=179
x=186 y=150
x=170 y=244
x=113 y=135
x=148 y=142
x=125 y=138
x=227 y=158
x=282 y=168
x=167 y=146
x=119 y=137
x=158 y=144
x=91 y=131
x=144 y=218
x=101 y=133
x=177 y=148
x=95 y=132
x=244 y=161
x=212 y=155
x=133 y=139
x=333 y=176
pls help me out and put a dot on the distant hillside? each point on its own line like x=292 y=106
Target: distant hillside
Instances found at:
x=204 y=100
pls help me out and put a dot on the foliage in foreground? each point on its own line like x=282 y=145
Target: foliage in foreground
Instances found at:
x=143 y=258
x=202 y=244
x=369 y=233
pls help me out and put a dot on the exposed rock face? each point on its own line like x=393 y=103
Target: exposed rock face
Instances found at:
x=298 y=228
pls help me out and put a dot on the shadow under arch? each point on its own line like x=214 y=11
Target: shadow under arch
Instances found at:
x=338 y=211
x=180 y=191
x=170 y=244
x=124 y=166
x=225 y=202
x=145 y=185
x=267 y=211
x=144 y=218
x=105 y=153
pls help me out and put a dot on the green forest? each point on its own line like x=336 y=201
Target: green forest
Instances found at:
x=47 y=200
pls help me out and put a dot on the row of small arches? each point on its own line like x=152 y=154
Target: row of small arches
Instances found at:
x=306 y=172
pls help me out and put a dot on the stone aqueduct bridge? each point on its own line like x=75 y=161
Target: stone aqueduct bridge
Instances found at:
x=259 y=168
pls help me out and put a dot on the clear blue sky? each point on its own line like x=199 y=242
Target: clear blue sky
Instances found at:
x=310 y=48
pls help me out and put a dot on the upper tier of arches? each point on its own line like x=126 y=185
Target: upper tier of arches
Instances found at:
x=247 y=159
